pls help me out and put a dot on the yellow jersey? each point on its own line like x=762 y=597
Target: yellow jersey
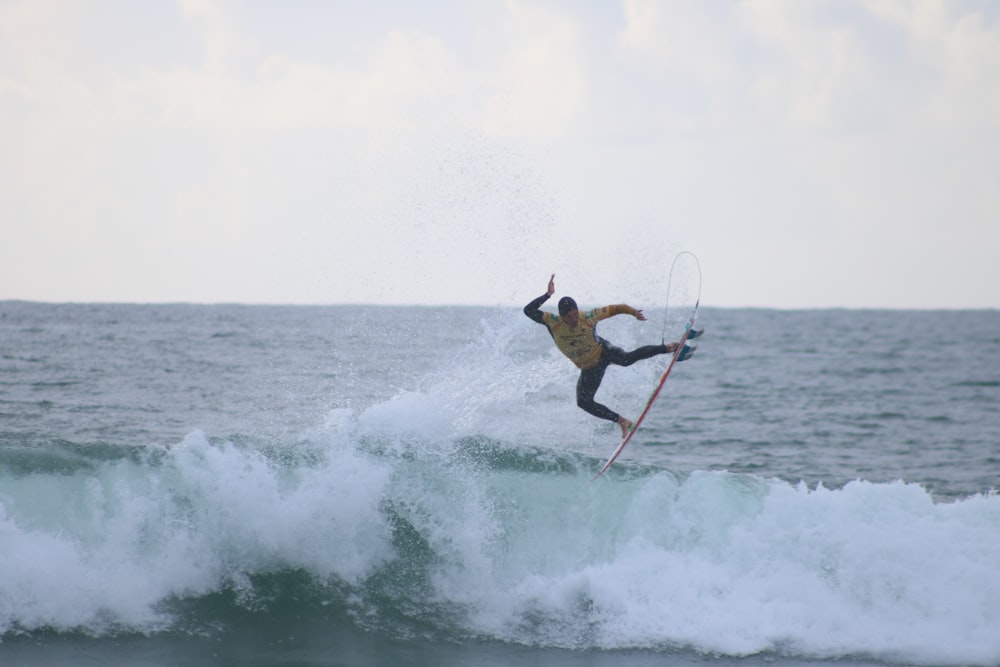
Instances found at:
x=580 y=344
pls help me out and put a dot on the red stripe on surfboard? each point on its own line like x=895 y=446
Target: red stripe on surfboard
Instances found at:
x=652 y=398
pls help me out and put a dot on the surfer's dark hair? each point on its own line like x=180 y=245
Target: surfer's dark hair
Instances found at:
x=566 y=304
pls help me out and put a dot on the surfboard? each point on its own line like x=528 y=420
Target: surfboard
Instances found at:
x=688 y=328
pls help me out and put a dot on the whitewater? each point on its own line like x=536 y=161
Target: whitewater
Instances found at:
x=355 y=485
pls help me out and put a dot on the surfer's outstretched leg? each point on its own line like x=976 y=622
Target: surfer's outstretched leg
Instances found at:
x=586 y=388
x=619 y=357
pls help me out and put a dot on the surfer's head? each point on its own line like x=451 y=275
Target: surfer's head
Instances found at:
x=566 y=304
x=568 y=311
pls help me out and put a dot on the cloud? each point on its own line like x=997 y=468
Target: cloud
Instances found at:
x=881 y=115
x=234 y=151
x=542 y=86
x=815 y=65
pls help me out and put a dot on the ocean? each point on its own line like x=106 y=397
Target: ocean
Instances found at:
x=375 y=486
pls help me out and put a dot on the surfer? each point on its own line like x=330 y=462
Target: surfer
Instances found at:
x=575 y=336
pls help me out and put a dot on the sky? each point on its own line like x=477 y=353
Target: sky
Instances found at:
x=811 y=153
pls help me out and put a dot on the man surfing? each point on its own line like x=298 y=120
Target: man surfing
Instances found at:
x=576 y=337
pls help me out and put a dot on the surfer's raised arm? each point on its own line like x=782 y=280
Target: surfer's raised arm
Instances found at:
x=533 y=309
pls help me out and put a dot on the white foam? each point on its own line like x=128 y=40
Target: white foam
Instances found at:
x=537 y=554
x=132 y=536
x=738 y=566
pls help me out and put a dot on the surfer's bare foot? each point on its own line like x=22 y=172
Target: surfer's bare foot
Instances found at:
x=625 y=424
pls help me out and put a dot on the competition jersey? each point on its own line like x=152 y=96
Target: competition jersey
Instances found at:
x=580 y=344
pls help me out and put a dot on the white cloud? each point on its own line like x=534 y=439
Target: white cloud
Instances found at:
x=542 y=88
x=229 y=150
x=885 y=111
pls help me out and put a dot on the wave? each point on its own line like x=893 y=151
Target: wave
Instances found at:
x=389 y=522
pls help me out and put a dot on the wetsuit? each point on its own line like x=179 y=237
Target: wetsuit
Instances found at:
x=591 y=353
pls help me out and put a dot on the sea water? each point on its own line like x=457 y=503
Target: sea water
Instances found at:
x=356 y=485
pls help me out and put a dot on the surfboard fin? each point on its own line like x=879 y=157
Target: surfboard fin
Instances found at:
x=687 y=352
x=695 y=333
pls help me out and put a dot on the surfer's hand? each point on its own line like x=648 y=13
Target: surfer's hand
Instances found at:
x=639 y=315
x=552 y=285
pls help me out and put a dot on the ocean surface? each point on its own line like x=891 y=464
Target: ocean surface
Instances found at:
x=375 y=486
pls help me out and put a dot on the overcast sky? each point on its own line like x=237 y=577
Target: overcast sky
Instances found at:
x=811 y=153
